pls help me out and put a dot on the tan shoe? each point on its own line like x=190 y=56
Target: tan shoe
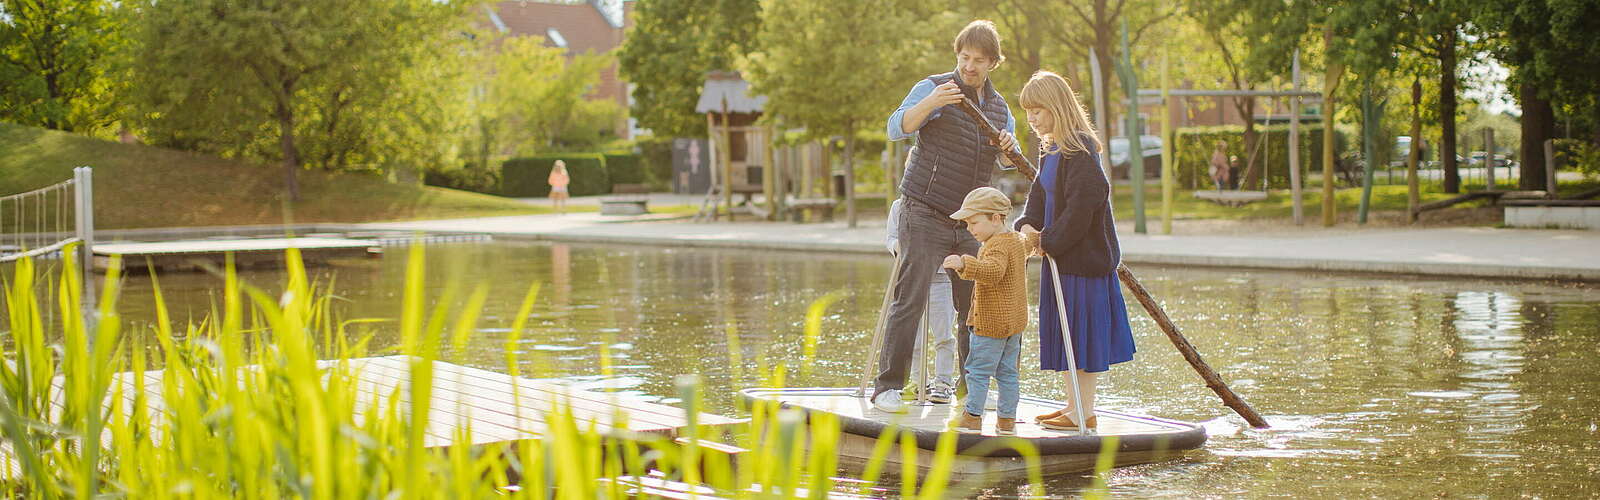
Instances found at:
x=1065 y=423
x=969 y=424
x=1006 y=427
x=1048 y=416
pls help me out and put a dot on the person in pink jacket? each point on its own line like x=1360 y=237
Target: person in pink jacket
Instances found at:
x=558 y=185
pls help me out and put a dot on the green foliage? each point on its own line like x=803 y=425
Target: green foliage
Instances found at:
x=672 y=44
x=1195 y=144
x=529 y=177
x=824 y=66
x=366 y=83
x=252 y=375
x=625 y=167
x=57 y=67
x=531 y=99
x=656 y=158
x=1580 y=156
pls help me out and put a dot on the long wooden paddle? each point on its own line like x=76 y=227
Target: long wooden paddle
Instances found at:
x=1210 y=376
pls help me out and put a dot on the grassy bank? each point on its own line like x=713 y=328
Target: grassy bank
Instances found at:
x=144 y=186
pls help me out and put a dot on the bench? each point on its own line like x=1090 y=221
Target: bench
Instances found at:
x=822 y=207
x=1543 y=214
x=748 y=190
x=624 y=205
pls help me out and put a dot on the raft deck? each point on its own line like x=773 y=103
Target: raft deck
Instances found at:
x=1140 y=438
x=247 y=252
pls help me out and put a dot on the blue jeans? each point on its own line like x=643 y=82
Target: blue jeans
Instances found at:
x=987 y=358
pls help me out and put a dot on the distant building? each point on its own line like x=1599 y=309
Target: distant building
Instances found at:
x=597 y=26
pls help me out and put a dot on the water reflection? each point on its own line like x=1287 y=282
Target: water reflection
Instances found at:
x=1375 y=386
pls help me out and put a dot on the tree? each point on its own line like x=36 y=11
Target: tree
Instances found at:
x=296 y=79
x=1255 y=41
x=1555 y=61
x=1433 y=29
x=824 y=67
x=671 y=47
x=531 y=96
x=56 y=68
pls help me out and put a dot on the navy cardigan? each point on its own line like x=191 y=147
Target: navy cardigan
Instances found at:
x=1082 y=236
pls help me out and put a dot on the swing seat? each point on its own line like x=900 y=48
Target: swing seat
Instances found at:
x=1231 y=198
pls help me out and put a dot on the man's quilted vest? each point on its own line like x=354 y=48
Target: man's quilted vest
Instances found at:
x=952 y=157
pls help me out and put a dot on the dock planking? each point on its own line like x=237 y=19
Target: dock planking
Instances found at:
x=491 y=407
x=247 y=252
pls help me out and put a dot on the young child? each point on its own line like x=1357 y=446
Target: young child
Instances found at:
x=1071 y=201
x=558 y=186
x=999 y=307
x=941 y=316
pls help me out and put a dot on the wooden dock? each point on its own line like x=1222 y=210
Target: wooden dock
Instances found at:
x=462 y=397
x=1141 y=439
x=247 y=252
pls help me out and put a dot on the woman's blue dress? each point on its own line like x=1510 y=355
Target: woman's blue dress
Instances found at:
x=1096 y=313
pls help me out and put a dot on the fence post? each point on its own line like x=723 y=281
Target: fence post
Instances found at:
x=1488 y=159
x=83 y=184
x=1550 y=169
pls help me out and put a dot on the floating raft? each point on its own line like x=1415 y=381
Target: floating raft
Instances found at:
x=248 y=252
x=1140 y=439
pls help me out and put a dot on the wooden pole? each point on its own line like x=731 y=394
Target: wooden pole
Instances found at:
x=1369 y=147
x=1550 y=192
x=1167 y=136
x=1413 y=194
x=769 y=175
x=1488 y=158
x=1229 y=398
x=1210 y=376
x=713 y=165
x=727 y=160
x=1329 y=85
x=1130 y=86
x=1294 y=145
x=1100 y=109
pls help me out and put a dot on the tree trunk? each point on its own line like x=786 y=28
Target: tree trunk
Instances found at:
x=1538 y=124
x=1447 y=113
x=850 y=175
x=1252 y=172
x=291 y=155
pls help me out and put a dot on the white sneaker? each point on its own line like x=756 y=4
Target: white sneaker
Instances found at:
x=940 y=392
x=889 y=402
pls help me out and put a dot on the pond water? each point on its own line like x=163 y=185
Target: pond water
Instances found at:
x=1375 y=385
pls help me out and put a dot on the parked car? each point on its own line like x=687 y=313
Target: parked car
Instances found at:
x=1150 y=145
x=1476 y=159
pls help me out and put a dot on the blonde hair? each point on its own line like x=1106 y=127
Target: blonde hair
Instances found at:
x=981 y=35
x=560 y=166
x=1070 y=128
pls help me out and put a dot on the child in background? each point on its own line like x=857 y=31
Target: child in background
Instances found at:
x=999 y=307
x=558 y=186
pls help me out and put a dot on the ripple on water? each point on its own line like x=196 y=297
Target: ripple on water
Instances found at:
x=1441 y=394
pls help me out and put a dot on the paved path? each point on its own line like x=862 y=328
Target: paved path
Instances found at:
x=1475 y=252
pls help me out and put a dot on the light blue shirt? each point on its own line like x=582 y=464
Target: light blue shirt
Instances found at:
x=921 y=90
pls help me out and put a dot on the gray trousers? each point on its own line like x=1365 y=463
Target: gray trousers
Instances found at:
x=926 y=238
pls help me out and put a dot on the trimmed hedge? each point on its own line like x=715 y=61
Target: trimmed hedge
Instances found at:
x=529 y=177
x=624 y=167
x=1194 y=146
x=656 y=160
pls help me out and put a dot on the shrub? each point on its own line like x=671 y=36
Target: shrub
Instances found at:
x=529 y=177
x=1193 y=147
x=655 y=158
x=624 y=167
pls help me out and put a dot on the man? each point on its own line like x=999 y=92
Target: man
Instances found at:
x=950 y=159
